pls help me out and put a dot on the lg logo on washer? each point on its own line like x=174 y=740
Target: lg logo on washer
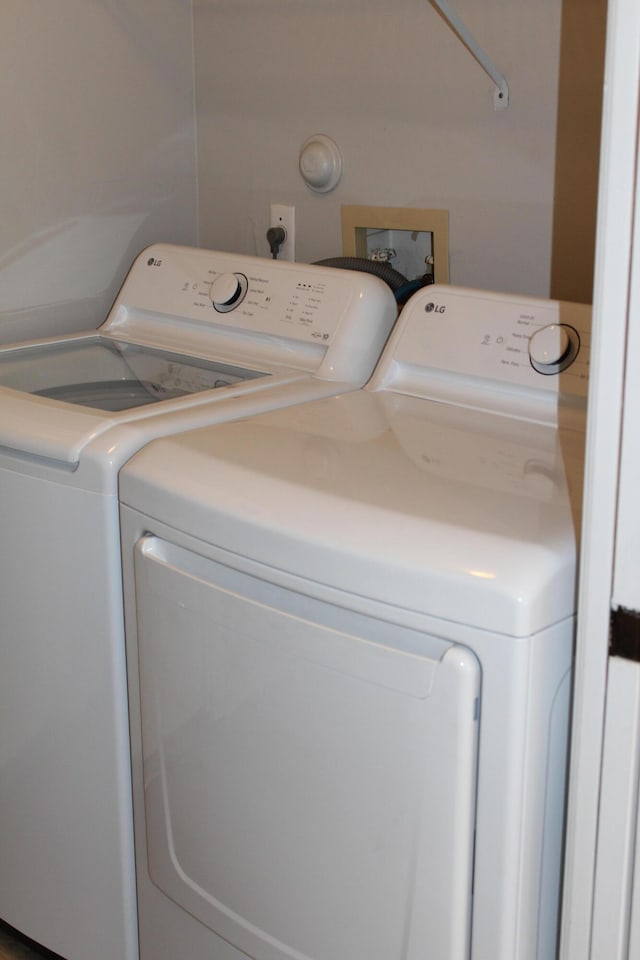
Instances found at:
x=152 y=262
x=434 y=308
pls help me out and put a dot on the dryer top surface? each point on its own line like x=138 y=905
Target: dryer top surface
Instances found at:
x=453 y=513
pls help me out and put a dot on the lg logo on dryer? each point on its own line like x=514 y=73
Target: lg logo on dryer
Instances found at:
x=152 y=262
x=432 y=307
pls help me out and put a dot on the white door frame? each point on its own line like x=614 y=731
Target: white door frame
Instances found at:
x=611 y=301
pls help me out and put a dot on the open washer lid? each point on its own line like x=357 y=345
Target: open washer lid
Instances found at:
x=438 y=507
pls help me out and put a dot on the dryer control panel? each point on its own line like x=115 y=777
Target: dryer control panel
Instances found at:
x=489 y=350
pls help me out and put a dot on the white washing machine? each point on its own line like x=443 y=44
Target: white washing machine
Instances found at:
x=349 y=636
x=194 y=337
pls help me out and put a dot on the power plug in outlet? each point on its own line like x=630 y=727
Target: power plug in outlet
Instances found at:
x=283 y=215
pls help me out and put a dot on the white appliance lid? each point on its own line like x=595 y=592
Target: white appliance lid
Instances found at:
x=453 y=513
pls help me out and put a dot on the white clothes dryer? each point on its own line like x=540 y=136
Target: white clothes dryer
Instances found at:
x=349 y=636
x=194 y=337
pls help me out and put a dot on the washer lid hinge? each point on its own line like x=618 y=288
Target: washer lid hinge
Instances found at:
x=624 y=634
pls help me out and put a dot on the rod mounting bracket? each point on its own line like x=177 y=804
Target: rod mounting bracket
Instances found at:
x=501 y=92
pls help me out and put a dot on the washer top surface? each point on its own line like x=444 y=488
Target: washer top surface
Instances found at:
x=450 y=508
x=190 y=328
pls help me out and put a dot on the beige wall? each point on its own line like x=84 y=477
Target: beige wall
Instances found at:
x=410 y=109
x=97 y=152
x=577 y=148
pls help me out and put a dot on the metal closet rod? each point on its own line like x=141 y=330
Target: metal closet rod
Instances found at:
x=501 y=93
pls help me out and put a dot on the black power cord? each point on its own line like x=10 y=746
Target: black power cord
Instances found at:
x=276 y=236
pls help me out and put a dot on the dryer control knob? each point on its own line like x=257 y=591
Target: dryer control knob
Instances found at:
x=228 y=290
x=553 y=348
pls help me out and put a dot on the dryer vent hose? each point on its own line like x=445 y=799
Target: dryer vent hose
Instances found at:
x=401 y=287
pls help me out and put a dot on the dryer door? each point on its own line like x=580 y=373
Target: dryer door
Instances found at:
x=309 y=772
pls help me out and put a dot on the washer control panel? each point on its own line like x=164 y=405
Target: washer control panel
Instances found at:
x=254 y=295
x=469 y=340
x=255 y=311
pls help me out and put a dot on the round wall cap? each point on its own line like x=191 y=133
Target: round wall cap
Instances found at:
x=320 y=163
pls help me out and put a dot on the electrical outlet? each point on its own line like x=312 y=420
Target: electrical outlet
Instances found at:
x=283 y=215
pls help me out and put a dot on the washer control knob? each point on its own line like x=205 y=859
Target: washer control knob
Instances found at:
x=228 y=290
x=553 y=348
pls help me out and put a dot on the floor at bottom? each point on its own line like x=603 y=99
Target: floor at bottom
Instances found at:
x=15 y=947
